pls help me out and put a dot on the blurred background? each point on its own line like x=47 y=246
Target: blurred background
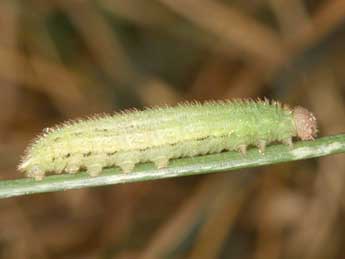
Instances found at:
x=63 y=59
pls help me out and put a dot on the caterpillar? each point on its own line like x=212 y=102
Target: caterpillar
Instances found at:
x=162 y=133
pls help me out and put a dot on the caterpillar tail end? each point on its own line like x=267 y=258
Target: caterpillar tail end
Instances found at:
x=31 y=171
x=305 y=122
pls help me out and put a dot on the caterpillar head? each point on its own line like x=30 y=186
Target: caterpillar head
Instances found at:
x=305 y=122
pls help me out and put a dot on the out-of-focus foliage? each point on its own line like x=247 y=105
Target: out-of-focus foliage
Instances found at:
x=62 y=59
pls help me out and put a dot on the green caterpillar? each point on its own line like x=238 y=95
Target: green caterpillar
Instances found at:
x=163 y=133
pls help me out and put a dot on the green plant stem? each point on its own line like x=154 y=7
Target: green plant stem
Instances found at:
x=180 y=167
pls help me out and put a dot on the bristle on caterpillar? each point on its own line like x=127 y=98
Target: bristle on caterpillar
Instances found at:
x=162 y=133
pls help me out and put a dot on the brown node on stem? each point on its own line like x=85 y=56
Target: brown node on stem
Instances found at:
x=305 y=122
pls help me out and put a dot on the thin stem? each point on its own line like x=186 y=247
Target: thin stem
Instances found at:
x=180 y=167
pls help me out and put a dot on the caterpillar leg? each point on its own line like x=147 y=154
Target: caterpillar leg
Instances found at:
x=161 y=162
x=59 y=166
x=288 y=142
x=262 y=146
x=127 y=167
x=74 y=163
x=36 y=173
x=94 y=170
x=243 y=149
x=72 y=169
